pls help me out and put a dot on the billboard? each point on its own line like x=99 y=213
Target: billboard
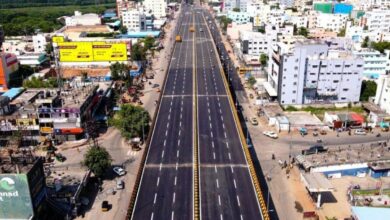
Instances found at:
x=58 y=39
x=92 y=51
x=15 y=201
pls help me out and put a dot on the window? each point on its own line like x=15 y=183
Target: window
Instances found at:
x=347 y=66
x=295 y=75
x=295 y=83
x=312 y=74
x=323 y=66
x=293 y=101
x=335 y=81
x=359 y=65
x=294 y=91
x=345 y=89
x=338 y=65
x=313 y=81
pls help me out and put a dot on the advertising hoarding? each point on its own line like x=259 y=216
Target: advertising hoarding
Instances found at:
x=92 y=51
x=15 y=201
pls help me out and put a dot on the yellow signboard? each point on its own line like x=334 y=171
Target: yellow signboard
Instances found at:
x=109 y=51
x=58 y=39
x=92 y=51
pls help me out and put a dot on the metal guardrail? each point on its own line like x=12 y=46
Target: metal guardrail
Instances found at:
x=133 y=197
x=252 y=170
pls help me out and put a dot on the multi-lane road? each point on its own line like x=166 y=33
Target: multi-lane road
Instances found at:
x=196 y=166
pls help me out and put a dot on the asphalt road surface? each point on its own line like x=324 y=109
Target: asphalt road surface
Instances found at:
x=226 y=188
x=166 y=190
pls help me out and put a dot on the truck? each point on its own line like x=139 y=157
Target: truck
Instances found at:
x=178 y=38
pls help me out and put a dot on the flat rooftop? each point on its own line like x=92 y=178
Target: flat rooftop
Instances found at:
x=303 y=119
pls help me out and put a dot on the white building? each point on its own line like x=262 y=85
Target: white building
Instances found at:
x=253 y=43
x=156 y=7
x=375 y=63
x=382 y=96
x=133 y=19
x=309 y=72
x=299 y=21
x=377 y=20
x=334 y=22
x=239 y=17
x=39 y=43
x=82 y=20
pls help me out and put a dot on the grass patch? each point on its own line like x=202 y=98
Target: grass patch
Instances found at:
x=365 y=192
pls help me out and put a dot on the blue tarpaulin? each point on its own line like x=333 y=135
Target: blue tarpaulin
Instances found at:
x=13 y=93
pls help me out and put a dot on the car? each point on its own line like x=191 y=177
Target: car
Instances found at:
x=254 y=121
x=318 y=148
x=201 y=30
x=270 y=134
x=120 y=184
x=360 y=132
x=120 y=171
x=105 y=206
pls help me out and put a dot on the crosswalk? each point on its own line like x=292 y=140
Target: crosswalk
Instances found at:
x=132 y=153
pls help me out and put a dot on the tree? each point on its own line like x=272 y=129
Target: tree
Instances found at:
x=251 y=81
x=236 y=9
x=303 y=31
x=132 y=121
x=98 y=160
x=138 y=52
x=263 y=59
x=261 y=30
x=225 y=21
x=38 y=82
x=341 y=33
x=123 y=29
x=365 y=42
x=149 y=43
x=381 y=46
x=368 y=89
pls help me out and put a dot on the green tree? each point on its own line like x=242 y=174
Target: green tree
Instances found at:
x=98 y=160
x=123 y=30
x=341 y=33
x=236 y=9
x=303 y=31
x=251 y=81
x=365 y=42
x=132 y=121
x=261 y=30
x=138 y=52
x=263 y=59
x=368 y=89
x=381 y=46
x=149 y=43
x=225 y=21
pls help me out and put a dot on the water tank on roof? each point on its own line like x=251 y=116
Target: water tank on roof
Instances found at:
x=323 y=7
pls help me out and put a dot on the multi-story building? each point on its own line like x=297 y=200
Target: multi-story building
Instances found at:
x=239 y=17
x=375 y=63
x=333 y=22
x=156 y=7
x=39 y=43
x=310 y=72
x=134 y=20
x=382 y=96
x=253 y=43
x=299 y=21
x=376 y=20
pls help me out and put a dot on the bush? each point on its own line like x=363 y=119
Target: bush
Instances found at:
x=291 y=108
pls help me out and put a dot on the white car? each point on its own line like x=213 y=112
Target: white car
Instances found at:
x=270 y=134
x=119 y=171
x=360 y=132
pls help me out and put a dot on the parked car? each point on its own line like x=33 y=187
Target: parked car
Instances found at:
x=270 y=134
x=105 y=206
x=254 y=121
x=120 y=171
x=318 y=148
x=120 y=184
x=303 y=131
x=360 y=132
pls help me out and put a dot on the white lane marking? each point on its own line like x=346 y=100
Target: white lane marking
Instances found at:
x=212 y=144
x=166 y=133
x=231 y=168
x=175 y=181
x=155 y=198
x=169 y=117
x=227 y=145
x=224 y=133
x=158 y=181
x=170 y=109
x=151 y=217
x=221 y=117
x=177 y=153
x=221 y=217
x=219 y=104
x=220 y=111
x=214 y=155
x=181 y=109
x=171 y=103
x=230 y=157
x=211 y=127
x=174 y=198
x=209 y=118
x=208 y=110
x=178 y=142
x=177 y=165
x=168 y=125
x=215 y=169
x=223 y=126
x=173 y=215
x=162 y=154
x=217 y=183
x=211 y=134
x=219 y=199
x=165 y=142
x=238 y=200
x=180 y=124
x=181 y=116
x=235 y=184
x=241 y=217
x=208 y=104
x=179 y=132
x=160 y=166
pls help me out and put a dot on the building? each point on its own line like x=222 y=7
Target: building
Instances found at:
x=376 y=20
x=299 y=21
x=23 y=188
x=287 y=3
x=333 y=22
x=39 y=43
x=375 y=63
x=234 y=29
x=239 y=17
x=8 y=64
x=321 y=34
x=82 y=20
x=310 y=72
x=156 y=7
x=253 y=43
x=382 y=96
x=134 y=20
